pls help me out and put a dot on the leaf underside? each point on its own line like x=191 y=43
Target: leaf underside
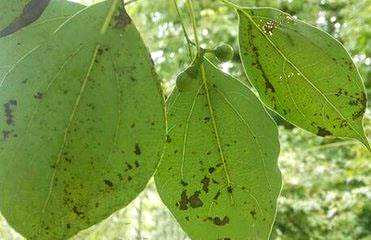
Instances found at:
x=219 y=174
x=82 y=123
x=302 y=73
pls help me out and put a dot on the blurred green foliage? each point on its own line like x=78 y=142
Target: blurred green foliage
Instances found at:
x=327 y=182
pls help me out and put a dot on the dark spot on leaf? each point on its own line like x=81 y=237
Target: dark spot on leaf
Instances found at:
x=211 y=170
x=39 y=95
x=217 y=195
x=77 y=211
x=183 y=183
x=9 y=107
x=323 y=132
x=230 y=189
x=100 y=51
x=205 y=184
x=183 y=202
x=253 y=213
x=129 y=166
x=221 y=222
x=122 y=19
x=137 y=150
x=195 y=201
x=6 y=135
x=269 y=26
x=218 y=221
x=137 y=165
x=108 y=183
x=269 y=86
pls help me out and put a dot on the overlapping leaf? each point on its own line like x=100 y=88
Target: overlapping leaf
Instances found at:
x=219 y=173
x=82 y=121
x=19 y=13
x=302 y=73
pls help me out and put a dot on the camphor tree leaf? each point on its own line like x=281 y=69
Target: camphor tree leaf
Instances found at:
x=19 y=13
x=219 y=174
x=302 y=73
x=82 y=123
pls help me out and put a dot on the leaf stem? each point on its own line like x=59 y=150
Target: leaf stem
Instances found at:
x=193 y=18
x=229 y=3
x=189 y=42
x=109 y=16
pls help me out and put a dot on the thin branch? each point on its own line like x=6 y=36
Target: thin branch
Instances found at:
x=189 y=42
x=193 y=18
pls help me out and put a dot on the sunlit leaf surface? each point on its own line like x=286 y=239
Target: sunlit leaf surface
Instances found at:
x=219 y=174
x=82 y=121
x=302 y=73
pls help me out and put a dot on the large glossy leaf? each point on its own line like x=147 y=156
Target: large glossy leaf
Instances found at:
x=17 y=14
x=82 y=123
x=302 y=73
x=219 y=174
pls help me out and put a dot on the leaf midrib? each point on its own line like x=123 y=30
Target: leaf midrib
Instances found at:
x=216 y=132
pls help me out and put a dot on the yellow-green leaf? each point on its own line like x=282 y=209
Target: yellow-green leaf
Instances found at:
x=219 y=174
x=302 y=73
x=82 y=120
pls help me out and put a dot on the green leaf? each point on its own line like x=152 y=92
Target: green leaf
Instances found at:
x=20 y=13
x=219 y=174
x=82 y=122
x=302 y=73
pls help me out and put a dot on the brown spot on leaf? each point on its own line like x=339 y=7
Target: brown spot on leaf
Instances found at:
x=183 y=183
x=269 y=26
x=221 y=222
x=6 y=135
x=77 y=211
x=218 y=221
x=129 y=166
x=108 y=183
x=323 y=132
x=183 y=202
x=195 y=201
x=217 y=195
x=39 y=95
x=137 y=150
x=122 y=19
x=137 y=165
x=205 y=184
x=8 y=108
x=253 y=213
